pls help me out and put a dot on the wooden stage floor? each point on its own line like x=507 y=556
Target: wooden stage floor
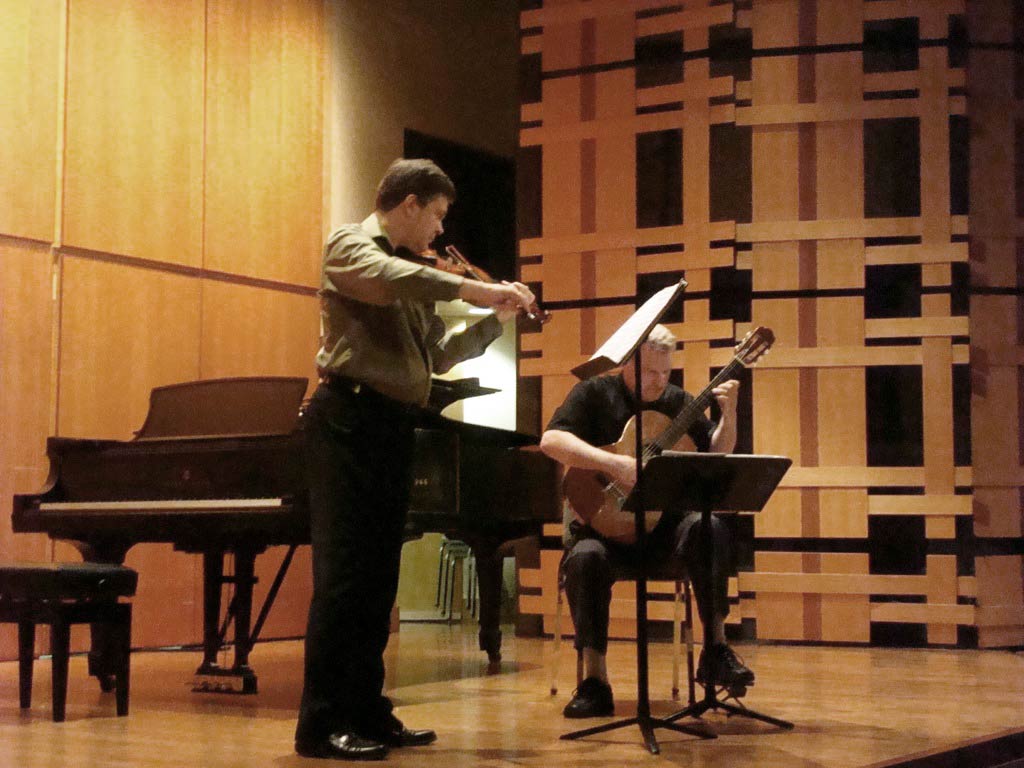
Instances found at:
x=851 y=707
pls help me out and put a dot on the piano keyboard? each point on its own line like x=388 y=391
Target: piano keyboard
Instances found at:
x=147 y=506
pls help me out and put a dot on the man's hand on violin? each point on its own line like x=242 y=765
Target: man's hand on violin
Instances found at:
x=506 y=299
x=525 y=304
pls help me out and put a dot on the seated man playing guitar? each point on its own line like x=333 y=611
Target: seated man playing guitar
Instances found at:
x=596 y=413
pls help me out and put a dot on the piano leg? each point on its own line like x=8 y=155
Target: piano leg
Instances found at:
x=213 y=579
x=245 y=562
x=488 y=568
x=239 y=610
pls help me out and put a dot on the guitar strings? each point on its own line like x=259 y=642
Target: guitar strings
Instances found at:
x=698 y=404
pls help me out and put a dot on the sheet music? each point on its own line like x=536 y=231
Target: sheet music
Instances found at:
x=621 y=344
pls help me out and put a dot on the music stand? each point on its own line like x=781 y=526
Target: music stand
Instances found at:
x=613 y=353
x=727 y=483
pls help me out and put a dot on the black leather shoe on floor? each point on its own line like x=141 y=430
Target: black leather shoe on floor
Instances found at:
x=410 y=738
x=395 y=734
x=343 y=746
x=593 y=698
x=729 y=671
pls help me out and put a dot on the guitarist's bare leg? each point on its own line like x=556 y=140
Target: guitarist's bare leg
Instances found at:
x=594 y=665
x=718 y=628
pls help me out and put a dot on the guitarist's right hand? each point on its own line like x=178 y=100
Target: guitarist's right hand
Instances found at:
x=622 y=469
x=570 y=451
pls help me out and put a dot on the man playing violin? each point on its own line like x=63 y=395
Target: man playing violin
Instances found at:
x=594 y=414
x=380 y=342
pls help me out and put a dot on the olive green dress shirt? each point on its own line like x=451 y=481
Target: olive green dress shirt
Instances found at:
x=377 y=319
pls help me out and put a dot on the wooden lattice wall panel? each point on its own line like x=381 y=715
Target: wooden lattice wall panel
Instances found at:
x=804 y=164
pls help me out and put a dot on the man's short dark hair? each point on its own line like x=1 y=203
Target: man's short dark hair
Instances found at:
x=418 y=177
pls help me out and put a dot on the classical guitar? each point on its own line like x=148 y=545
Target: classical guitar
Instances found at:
x=597 y=500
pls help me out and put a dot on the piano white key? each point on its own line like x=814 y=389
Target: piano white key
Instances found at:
x=163 y=505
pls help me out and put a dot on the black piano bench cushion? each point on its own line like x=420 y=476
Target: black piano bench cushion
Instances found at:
x=66 y=581
x=62 y=594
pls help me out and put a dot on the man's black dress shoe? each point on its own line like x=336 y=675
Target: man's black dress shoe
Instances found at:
x=394 y=734
x=343 y=745
x=727 y=668
x=593 y=698
x=410 y=738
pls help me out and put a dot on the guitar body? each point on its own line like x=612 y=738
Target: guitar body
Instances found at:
x=598 y=502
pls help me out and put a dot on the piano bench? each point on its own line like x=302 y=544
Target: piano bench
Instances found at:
x=62 y=594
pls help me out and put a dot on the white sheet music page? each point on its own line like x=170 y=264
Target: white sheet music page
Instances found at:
x=621 y=344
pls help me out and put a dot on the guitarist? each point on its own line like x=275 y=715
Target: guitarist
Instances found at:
x=594 y=414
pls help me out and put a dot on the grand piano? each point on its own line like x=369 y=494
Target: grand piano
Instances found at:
x=216 y=469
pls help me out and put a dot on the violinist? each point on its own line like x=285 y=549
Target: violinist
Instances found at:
x=380 y=343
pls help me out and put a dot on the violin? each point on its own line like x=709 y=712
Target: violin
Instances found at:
x=457 y=264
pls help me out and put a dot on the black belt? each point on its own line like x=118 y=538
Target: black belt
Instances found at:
x=344 y=384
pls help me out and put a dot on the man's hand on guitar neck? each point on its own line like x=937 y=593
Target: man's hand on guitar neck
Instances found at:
x=727 y=394
x=723 y=440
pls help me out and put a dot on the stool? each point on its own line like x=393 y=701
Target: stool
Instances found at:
x=454 y=557
x=62 y=594
x=682 y=627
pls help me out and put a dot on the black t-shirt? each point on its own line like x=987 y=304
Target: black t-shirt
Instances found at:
x=597 y=410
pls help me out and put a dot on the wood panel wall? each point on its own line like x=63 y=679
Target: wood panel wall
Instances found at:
x=996 y=85
x=842 y=172
x=160 y=221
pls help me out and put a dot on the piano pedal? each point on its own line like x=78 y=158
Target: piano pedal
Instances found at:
x=229 y=681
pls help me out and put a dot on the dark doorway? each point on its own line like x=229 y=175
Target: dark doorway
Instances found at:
x=482 y=222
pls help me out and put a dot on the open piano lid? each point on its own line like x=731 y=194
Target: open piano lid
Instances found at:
x=255 y=405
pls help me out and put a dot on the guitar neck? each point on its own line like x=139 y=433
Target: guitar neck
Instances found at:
x=684 y=419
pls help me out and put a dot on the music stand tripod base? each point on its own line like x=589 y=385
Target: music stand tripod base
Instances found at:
x=711 y=702
x=647 y=724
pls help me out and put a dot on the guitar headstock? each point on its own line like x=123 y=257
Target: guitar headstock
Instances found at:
x=754 y=344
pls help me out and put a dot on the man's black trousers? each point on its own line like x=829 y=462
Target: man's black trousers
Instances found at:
x=359 y=448
x=590 y=562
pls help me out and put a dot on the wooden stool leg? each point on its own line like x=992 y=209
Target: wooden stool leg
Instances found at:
x=690 y=689
x=26 y=658
x=440 y=572
x=124 y=651
x=458 y=585
x=60 y=646
x=676 y=644
x=556 y=645
x=449 y=586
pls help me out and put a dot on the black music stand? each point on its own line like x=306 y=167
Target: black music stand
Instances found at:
x=727 y=483
x=616 y=350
